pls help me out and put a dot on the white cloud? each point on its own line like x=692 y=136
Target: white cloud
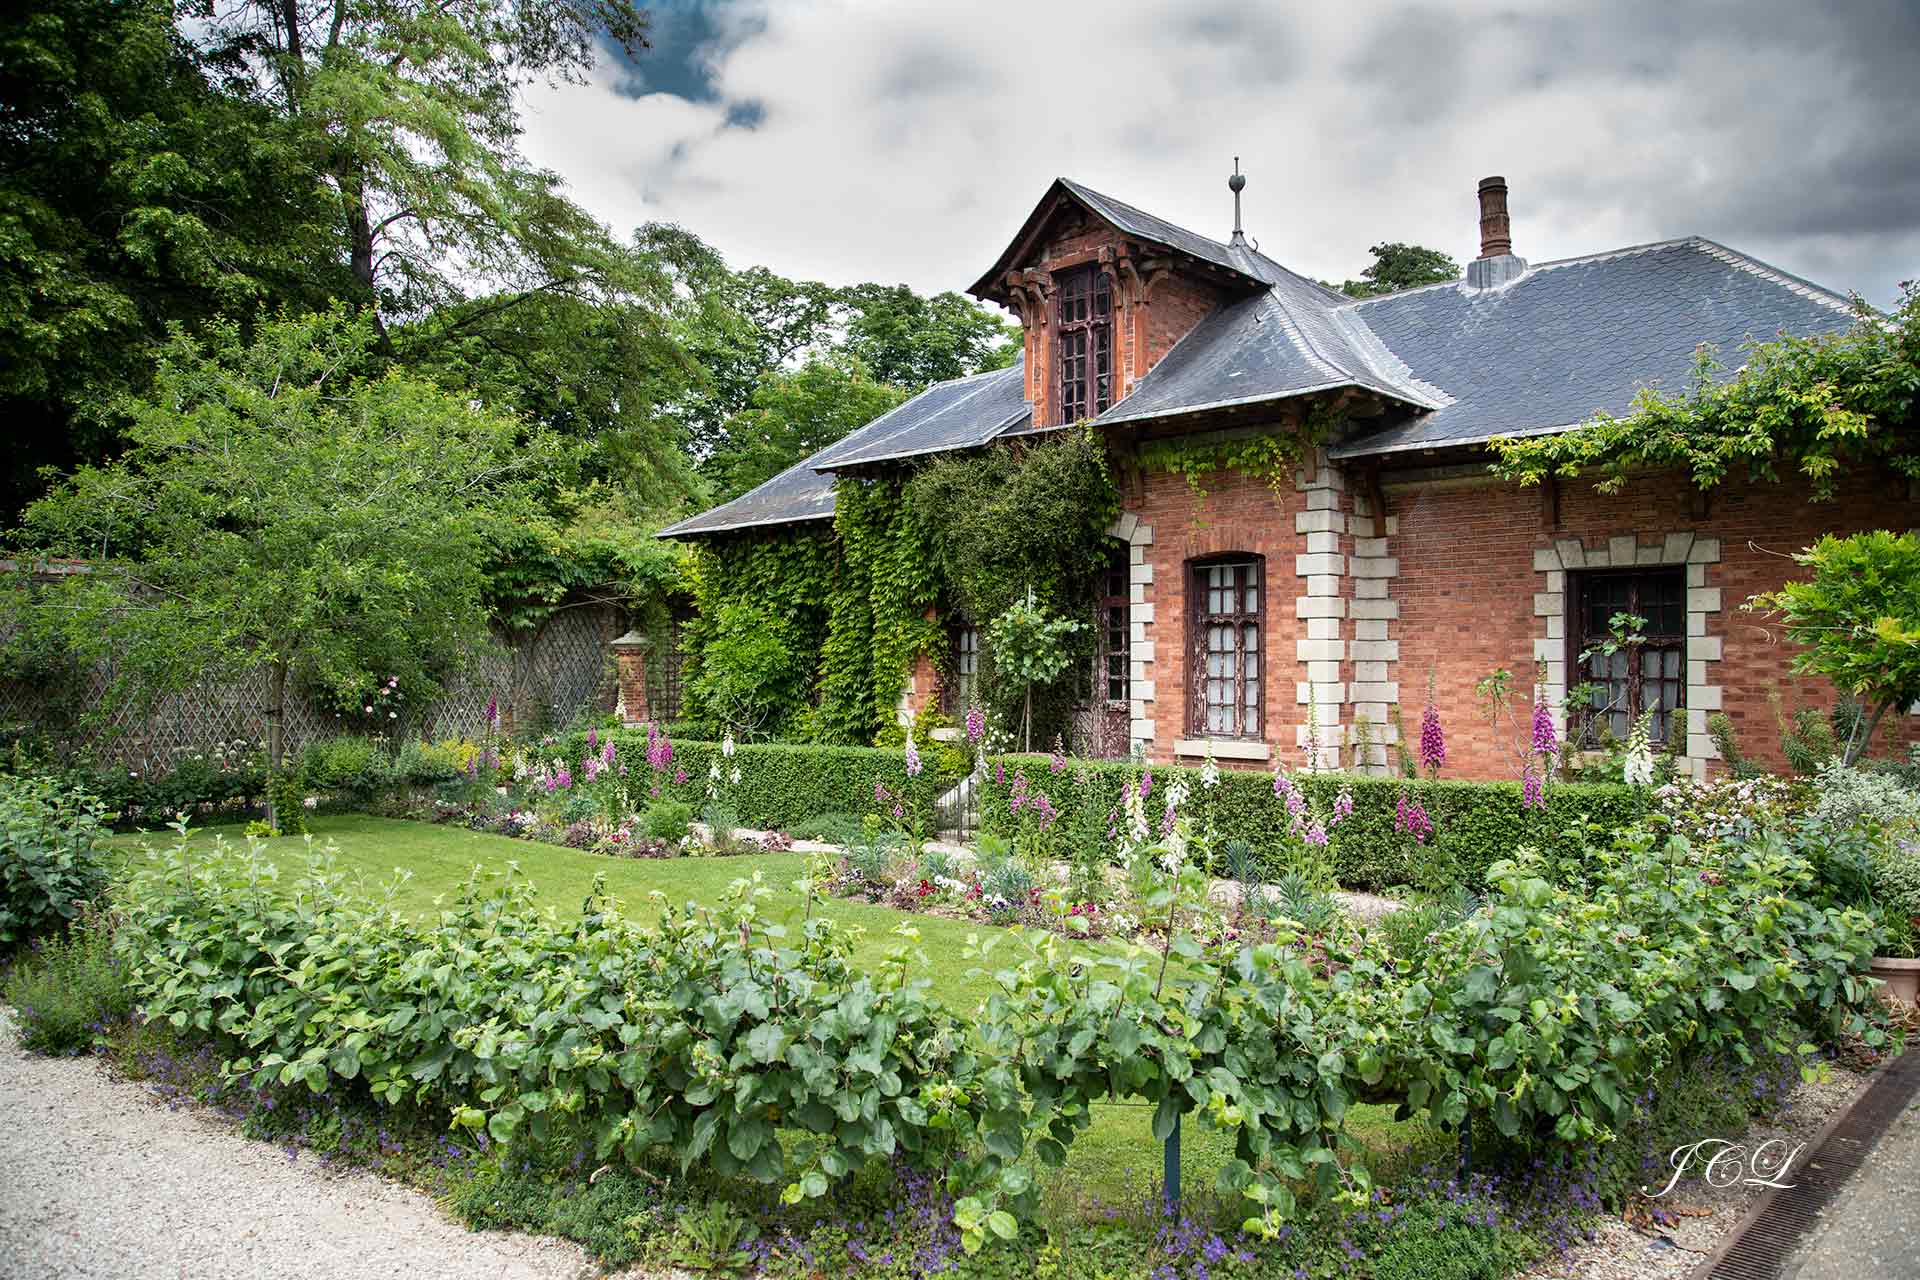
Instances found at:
x=908 y=141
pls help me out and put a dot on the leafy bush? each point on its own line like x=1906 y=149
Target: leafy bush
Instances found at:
x=1848 y=797
x=1476 y=823
x=426 y=764
x=230 y=774
x=353 y=768
x=69 y=986
x=783 y=784
x=52 y=856
x=1540 y=1015
x=668 y=820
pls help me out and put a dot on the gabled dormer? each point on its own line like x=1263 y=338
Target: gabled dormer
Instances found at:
x=1103 y=291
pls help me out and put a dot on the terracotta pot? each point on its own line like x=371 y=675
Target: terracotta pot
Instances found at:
x=1901 y=976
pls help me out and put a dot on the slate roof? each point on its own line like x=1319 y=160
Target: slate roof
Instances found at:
x=1580 y=335
x=1540 y=353
x=957 y=414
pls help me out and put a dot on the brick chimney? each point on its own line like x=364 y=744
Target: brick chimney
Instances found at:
x=1496 y=267
x=1496 y=235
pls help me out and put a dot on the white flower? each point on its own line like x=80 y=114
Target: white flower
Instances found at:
x=735 y=778
x=1210 y=772
x=713 y=771
x=726 y=745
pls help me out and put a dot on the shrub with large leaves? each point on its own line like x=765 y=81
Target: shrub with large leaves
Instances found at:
x=52 y=856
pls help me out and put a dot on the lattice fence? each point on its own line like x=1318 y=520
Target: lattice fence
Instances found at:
x=541 y=680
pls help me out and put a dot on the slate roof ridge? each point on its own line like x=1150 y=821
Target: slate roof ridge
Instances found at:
x=1767 y=271
x=1082 y=190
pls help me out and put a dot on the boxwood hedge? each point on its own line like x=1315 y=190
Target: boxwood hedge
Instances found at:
x=1476 y=823
x=782 y=784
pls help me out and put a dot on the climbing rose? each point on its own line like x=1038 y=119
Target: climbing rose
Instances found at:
x=1545 y=740
x=1433 y=741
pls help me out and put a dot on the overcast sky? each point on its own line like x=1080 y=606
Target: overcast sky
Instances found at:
x=851 y=140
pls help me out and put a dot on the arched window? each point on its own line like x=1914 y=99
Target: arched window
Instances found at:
x=1226 y=673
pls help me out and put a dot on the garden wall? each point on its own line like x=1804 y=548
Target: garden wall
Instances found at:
x=1475 y=823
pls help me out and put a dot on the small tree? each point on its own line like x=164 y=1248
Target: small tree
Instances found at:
x=742 y=669
x=277 y=508
x=1858 y=619
x=1030 y=647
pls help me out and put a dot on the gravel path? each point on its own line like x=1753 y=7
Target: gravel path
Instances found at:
x=96 y=1179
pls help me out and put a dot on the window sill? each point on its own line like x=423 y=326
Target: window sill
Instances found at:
x=1223 y=748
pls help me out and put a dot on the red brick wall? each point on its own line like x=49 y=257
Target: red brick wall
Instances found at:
x=1141 y=333
x=1466 y=591
x=1237 y=514
x=1467 y=582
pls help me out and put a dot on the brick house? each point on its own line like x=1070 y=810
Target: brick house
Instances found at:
x=1395 y=553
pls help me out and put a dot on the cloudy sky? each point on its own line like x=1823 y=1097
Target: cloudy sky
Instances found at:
x=851 y=140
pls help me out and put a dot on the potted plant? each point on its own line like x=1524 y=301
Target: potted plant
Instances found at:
x=1896 y=893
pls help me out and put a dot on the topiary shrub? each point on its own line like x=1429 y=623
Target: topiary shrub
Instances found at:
x=52 y=856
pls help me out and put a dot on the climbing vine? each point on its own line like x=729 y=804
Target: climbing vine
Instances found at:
x=1820 y=406
x=1004 y=522
x=880 y=610
x=784 y=582
x=1268 y=456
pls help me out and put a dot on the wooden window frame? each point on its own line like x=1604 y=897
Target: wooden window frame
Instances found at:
x=1113 y=648
x=1083 y=343
x=1578 y=638
x=956 y=688
x=1199 y=620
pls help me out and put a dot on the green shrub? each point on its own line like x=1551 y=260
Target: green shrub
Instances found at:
x=782 y=784
x=68 y=986
x=52 y=856
x=831 y=828
x=668 y=820
x=1476 y=823
x=353 y=768
x=227 y=775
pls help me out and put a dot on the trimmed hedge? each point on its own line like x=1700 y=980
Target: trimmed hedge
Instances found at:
x=1476 y=823
x=783 y=783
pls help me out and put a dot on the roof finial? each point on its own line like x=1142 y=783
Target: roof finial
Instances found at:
x=1234 y=184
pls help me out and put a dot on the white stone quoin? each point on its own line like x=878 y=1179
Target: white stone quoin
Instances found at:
x=1138 y=538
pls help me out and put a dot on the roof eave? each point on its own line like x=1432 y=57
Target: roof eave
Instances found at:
x=676 y=532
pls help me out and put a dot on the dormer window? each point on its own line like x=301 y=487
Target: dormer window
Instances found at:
x=1084 y=322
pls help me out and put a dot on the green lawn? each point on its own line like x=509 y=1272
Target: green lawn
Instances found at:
x=1112 y=1162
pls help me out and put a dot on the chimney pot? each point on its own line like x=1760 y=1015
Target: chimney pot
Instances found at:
x=1496 y=234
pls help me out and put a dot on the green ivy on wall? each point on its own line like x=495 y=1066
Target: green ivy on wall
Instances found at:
x=1269 y=456
x=880 y=611
x=788 y=579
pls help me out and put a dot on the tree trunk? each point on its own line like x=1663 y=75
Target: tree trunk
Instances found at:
x=1857 y=745
x=276 y=742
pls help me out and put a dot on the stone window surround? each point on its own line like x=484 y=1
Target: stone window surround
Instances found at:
x=1683 y=549
x=1138 y=537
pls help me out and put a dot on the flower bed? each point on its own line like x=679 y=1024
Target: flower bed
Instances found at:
x=1479 y=823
